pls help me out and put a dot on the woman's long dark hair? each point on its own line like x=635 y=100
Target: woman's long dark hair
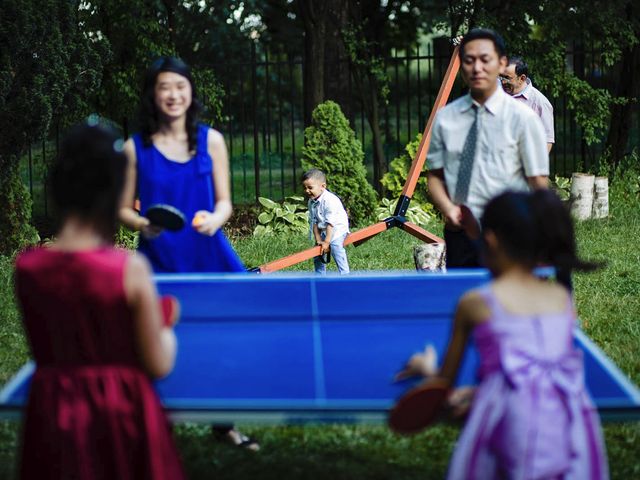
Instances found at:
x=88 y=177
x=148 y=113
x=535 y=228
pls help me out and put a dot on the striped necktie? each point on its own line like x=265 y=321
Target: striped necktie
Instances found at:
x=466 y=161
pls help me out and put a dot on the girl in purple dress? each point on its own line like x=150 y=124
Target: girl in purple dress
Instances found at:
x=531 y=416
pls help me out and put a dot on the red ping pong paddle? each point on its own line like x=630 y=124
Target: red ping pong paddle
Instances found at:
x=419 y=407
x=469 y=223
x=165 y=216
x=326 y=257
x=170 y=310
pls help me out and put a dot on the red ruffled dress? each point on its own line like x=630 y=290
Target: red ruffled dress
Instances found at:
x=92 y=412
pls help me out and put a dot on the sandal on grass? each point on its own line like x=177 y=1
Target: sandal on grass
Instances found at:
x=239 y=439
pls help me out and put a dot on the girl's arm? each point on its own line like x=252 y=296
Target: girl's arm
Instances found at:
x=210 y=222
x=156 y=344
x=128 y=215
x=470 y=311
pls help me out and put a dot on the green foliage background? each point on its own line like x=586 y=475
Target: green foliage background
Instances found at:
x=287 y=217
x=331 y=146
x=394 y=180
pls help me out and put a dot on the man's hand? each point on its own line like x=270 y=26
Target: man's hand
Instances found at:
x=453 y=217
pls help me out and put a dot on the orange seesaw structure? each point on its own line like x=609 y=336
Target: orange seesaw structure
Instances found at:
x=398 y=218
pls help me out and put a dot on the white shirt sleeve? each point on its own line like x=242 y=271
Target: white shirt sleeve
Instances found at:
x=436 y=155
x=533 y=147
x=546 y=115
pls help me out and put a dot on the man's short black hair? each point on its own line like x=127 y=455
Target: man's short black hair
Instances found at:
x=521 y=66
x=484 y=34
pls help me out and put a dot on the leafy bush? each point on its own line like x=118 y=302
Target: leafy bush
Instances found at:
x=331 y=146
x=562 y=186
x=126 y=238
x=415 y=214
x=16 y=231
x=290 y=216
x=393 y=181
x=625 y=181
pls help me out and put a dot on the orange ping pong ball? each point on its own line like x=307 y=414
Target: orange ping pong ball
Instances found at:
x=197 y=220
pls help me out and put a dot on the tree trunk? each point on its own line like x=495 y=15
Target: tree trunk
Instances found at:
x=314 y=18
x=601 y=198
x=628 y=86
x=582 y=195
x=379 y=162
x=336 y=80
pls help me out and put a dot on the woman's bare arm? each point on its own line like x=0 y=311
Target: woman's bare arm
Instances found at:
x=211 y=222
x=128 y=216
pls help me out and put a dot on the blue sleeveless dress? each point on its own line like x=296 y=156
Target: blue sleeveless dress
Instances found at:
x=189 y=187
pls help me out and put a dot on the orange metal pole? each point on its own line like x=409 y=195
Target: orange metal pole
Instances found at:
x=412 y=179
x=421 y=233
x=365 y=234
x=290 y=260
x=441 y=101
x=355 y=237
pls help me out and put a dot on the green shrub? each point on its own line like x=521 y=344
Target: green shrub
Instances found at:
x=562 y=186
x=290 y=216
x=415 y=213
x=16 y=231
x=624 y=186
x=126 y=238
x=393 y=181
x=331 y=146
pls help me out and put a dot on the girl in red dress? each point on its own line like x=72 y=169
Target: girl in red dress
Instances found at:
x=94 y=324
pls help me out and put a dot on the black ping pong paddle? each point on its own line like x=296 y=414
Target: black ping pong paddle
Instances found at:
x=165 y=216
x=419 y=407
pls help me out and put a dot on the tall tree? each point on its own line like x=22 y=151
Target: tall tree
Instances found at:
x=314 y=16
x=542 y=30
x=46 y=67
x=627 y=87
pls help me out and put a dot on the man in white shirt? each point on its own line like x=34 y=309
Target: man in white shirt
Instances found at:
x=482 y=144
x=516 y=82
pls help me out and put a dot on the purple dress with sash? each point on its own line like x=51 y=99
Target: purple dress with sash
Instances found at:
x=532 y=417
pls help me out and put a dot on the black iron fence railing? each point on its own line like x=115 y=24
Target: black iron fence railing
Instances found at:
x=263 y=119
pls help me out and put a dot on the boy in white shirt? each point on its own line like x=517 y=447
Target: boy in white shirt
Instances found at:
x=328 y=220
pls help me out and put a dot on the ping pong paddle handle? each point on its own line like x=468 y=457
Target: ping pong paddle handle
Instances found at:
x=469 y=222
x=170 y=307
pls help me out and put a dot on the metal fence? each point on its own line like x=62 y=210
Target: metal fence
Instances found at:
x=263 y=119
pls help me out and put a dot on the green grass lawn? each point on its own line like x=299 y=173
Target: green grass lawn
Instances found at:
x=608 y=303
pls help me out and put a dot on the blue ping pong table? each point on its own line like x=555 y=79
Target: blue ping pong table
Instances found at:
x=305 y=348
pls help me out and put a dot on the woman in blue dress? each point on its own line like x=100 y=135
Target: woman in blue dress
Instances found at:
x=178 y=161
